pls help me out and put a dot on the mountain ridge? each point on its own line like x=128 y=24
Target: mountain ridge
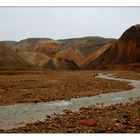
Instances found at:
x=89 y=52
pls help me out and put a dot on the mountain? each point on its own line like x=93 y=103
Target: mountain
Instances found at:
x=94 y=61
x=36 y=59
x=38 y=51
x=91 y=52
x=10 y=43
x=69 y=55
x=76 y=50
x=10 y=59
x=45 y=46
x=50 y=65
x=86 y=45
x=64 y=54
x=122 y=54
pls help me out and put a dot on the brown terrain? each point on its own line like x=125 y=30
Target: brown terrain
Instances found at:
x=64 y=54
x=86 y=45
x=38 y=51
x=128 y=75
x=68 y=59
x=119 y=118
x=82 y=53
x=23 y=87
x=36 y=87
x=39 y=45
x=124 y=54
x=41 y=70
x=75 y=51
x=10 y=60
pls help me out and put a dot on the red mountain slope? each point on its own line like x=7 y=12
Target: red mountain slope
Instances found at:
x=122 y=54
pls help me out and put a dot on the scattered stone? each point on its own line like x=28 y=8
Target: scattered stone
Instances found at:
x=108 y=129
x=91 y=123
x=126 y=116
x=99 y=131
x=117 y=121
x=48 y=116
x=67 y=111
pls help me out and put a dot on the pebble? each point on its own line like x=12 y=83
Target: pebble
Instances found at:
x=91 y=123
x=48 y=116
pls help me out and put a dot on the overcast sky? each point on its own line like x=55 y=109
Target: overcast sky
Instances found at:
x=65 y=22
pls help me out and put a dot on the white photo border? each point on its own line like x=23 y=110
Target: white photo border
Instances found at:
x=69 y=2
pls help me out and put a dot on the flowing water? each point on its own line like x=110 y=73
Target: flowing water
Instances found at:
x=12 y=116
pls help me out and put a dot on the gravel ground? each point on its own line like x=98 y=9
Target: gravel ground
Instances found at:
x=119 y=118
x=36 y=87
x=128 y=75
x=54 y=85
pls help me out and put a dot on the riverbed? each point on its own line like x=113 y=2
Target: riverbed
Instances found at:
x=13 y=116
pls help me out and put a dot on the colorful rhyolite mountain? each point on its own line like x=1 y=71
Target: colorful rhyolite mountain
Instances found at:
x=11 y=60
x=77 y=53
x=122 y=55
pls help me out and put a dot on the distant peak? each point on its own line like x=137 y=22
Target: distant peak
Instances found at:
x=49 y=40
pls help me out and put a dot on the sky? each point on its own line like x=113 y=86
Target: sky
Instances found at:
x=17 y=23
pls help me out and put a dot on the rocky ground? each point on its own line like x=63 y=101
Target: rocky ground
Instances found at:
x=119 y=118
x=128 y=75
x=23 y=87
x=51 y=85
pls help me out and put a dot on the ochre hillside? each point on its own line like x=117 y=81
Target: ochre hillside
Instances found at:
x=10 y=59
x=122 y=54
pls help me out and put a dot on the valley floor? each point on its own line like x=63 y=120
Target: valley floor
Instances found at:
x=35 y=87
x=27 y=87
